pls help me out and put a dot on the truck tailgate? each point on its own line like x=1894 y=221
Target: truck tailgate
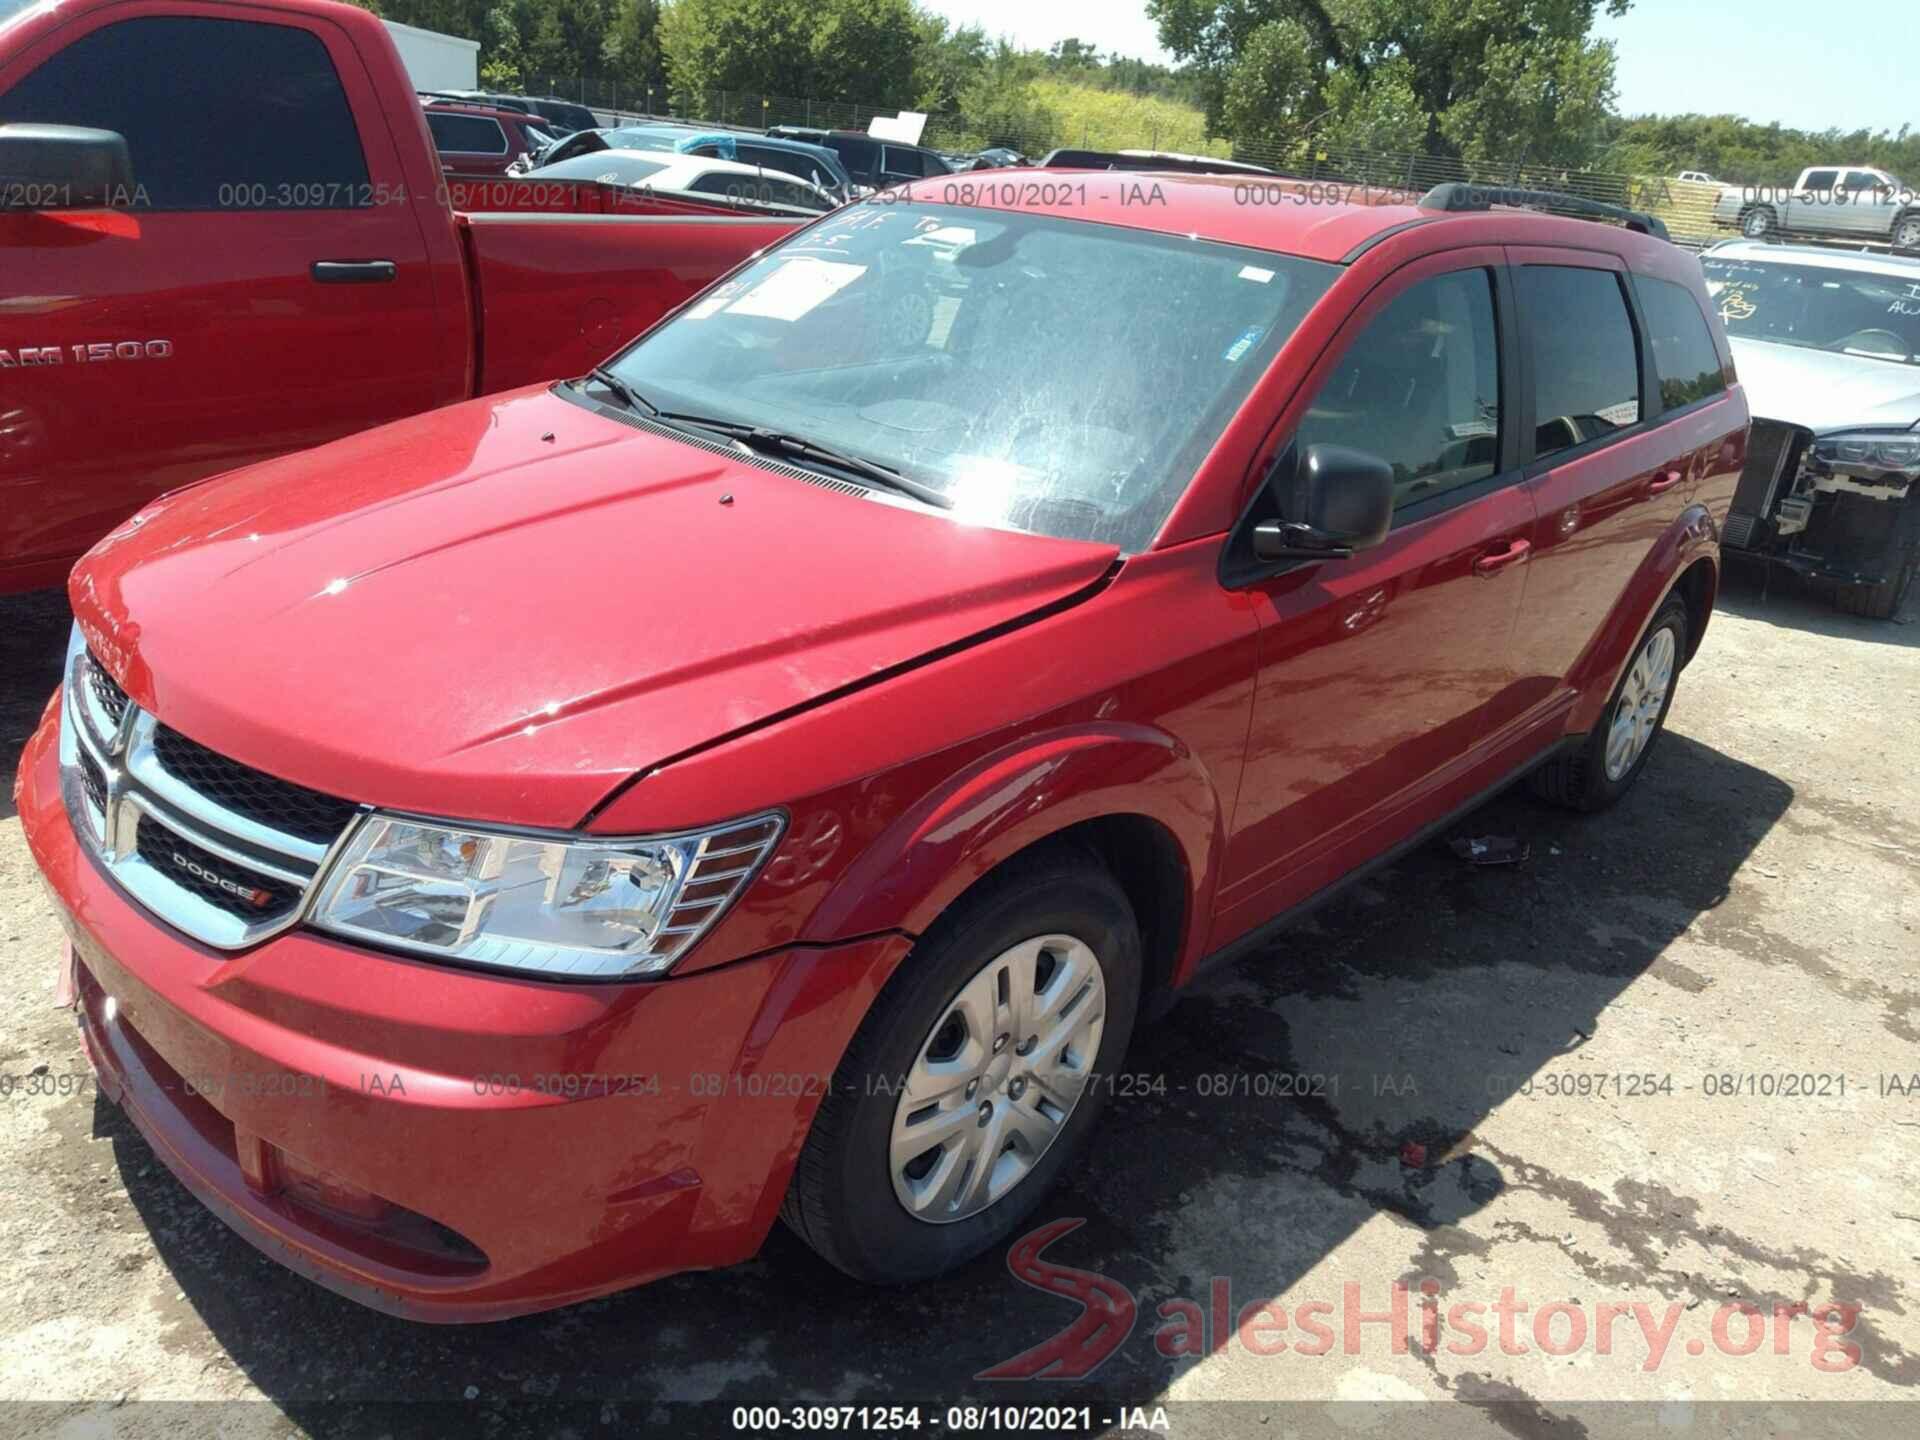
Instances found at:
x=554 y=295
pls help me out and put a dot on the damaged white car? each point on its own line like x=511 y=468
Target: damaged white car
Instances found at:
x=1827 y=343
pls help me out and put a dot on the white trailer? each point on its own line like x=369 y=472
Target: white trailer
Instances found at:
x=435 y=61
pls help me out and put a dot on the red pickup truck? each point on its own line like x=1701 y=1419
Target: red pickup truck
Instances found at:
x=225 y=234
x=526 y=849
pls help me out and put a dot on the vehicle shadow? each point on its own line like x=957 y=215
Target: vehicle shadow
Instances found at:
x=1421 y=999
x=1774 y=595
x=33 y=641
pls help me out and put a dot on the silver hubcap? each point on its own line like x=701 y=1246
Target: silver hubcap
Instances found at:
x=1642 y=698
x=1908 y=236
x=1759 y=222
x=997 y=1077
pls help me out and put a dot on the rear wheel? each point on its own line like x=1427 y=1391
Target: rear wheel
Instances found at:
x=1612 y=757
x=969 y=1088
x=1758 y=223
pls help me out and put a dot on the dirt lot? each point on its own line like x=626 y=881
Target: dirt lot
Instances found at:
x=1749 y=913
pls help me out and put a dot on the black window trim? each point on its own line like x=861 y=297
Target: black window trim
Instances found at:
x=1536 y=465
x=1238 y=572
x=1666 y=413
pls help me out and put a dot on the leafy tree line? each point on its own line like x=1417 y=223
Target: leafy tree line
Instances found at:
x=876 y=52
x=1521 y=81
x=1741 y=152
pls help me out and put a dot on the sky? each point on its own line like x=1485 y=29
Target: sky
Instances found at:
x=1805 y=65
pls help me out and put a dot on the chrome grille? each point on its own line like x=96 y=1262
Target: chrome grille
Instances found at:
x=219 y=851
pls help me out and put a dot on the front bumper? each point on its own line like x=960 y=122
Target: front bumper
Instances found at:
x=441 y=1144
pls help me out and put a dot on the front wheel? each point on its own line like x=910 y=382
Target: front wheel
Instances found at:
x=1611 y=758
x=974 y=1082
x=1906 y=234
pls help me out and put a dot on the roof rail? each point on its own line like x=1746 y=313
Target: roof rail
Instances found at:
x=1147 y=160
x=1457 y=195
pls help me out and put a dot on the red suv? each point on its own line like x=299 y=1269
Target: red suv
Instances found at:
x=524 y=850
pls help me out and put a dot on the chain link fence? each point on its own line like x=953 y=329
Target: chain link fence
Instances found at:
x=1686 y=207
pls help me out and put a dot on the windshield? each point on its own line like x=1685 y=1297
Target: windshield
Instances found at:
x=1046 y=374
x=1819 y=307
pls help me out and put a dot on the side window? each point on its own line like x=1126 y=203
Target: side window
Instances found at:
x=785 y=192
x=861 y=157
x=1585 y=361
x=1821 y=182
x=1863 y=180
x=216 y=113
x=466 y=134
x=901 y=161
x=1420 y=388
x=1683 y=353
x=785 y=161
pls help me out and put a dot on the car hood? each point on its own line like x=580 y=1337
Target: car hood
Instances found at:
x=501 y=610
x=1824 y=391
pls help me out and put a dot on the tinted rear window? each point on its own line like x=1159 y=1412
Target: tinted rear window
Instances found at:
x=467 y=134
x=1683 y=352
x=1586 y=364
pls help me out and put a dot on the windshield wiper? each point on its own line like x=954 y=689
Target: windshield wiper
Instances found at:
x=781 y=442
x=622 y=391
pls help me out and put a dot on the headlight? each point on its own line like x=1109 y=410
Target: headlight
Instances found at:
x=576 y=907
x=1889 y=458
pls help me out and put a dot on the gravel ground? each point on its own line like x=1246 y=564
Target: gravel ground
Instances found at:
x=1749 y=912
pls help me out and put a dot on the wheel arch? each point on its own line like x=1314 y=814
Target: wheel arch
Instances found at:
x=1137 y=799
x=1673 y=566
x=1699 y=586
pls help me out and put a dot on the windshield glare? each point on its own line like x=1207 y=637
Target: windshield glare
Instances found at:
x=1819 y=307
x=1049 y=375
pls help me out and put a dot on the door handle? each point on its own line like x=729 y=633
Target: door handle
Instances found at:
x=354 y=272
x=1516 y=553
x=1665 y=481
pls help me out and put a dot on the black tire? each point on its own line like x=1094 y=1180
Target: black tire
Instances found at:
x=842 y=1200
x=1905 y=235
x=1759 y=222
x=1878 y=602
x=1578 y=778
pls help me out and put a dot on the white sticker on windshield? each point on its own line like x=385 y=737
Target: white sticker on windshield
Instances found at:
x=798 y=286
x=1255 y=274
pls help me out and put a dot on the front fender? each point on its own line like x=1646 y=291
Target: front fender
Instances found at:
x=1691 y=537
x=1015 y=797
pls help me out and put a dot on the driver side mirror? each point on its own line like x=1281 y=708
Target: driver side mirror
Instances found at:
x=63 y=167
x=1334 y=501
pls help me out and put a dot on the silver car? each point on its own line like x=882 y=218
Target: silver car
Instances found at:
x=1827 y=343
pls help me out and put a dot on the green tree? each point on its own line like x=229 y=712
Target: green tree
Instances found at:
x=630 y=50
x=947 y=60
x=832 y=49
x=1520 y=78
